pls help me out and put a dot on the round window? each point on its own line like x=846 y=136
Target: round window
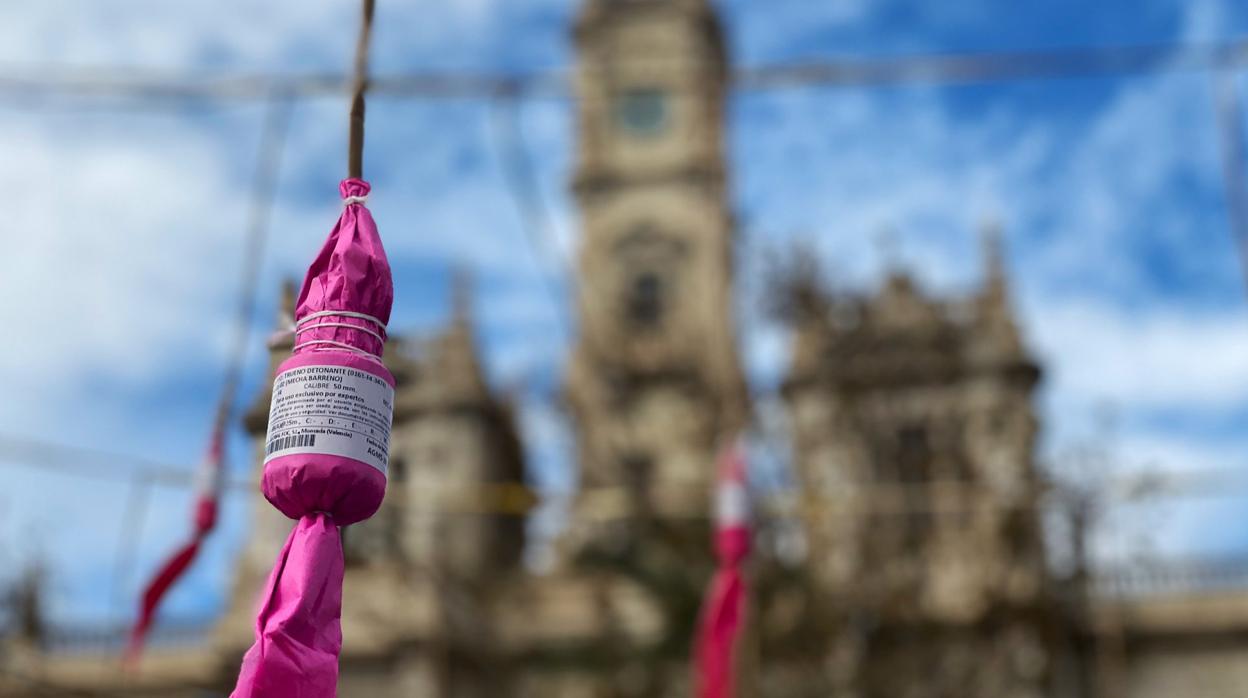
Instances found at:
x=642 y=111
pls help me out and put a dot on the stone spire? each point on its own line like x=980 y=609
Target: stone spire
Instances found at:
x=995 y=282
x=887 y=246
x=454 y=353
x=461 y=303
x=286 y=306
x=994 y=315
x=25 y=606
x=280 y=342
x=900 y=303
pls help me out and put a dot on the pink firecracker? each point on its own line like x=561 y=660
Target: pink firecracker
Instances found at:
x=325 y=455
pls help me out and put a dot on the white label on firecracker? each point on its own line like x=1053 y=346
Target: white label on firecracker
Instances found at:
x=732 y=504
x=332 y=410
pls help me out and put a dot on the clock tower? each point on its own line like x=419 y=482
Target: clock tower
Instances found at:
x=655 y=381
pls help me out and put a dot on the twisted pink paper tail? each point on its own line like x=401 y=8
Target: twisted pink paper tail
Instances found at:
x=718 y=630
x=298 y=629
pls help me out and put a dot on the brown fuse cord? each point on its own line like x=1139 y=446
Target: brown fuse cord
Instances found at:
x=355 y=142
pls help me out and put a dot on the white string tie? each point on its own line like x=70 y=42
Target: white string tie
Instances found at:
x=355 y=200
x=365 y=330
x=305 y=324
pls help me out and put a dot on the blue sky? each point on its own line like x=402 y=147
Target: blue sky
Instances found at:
x=121 y=221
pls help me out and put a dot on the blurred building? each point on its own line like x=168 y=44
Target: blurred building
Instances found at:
x=915 y=416
x=912 y=431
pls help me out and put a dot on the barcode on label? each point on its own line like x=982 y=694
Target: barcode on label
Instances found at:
x=297 y=441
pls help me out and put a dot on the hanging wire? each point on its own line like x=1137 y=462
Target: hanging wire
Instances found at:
x=131 y=533
x=269 y=156
x=1231 y=140
x=90 y=463
x=605 y=502
x=521 y=179
x=997 y=67
x=155 y=88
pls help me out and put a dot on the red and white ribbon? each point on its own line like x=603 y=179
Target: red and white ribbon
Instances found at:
x=723 y=611
x=209 y=479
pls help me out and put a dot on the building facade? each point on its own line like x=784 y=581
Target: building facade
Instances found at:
x=913 y=423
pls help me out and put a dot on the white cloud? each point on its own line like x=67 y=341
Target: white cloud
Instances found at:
x=156 y=34
x=1149 y=359
x=252 y=36
x=102 y=232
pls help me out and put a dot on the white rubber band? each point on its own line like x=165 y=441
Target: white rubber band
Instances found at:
x=303 y=326
x=339 y=345
x=355 y=200
x=340 y=324
x=339 y=313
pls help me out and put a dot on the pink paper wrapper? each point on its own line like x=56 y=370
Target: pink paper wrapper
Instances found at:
x=298 y=627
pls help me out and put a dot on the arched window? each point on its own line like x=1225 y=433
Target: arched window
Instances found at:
x=645 y=299
x=647 y=259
